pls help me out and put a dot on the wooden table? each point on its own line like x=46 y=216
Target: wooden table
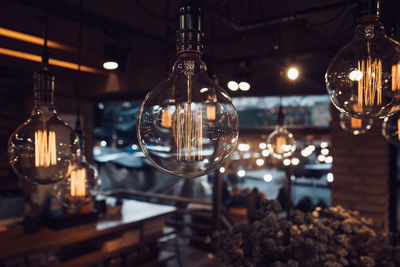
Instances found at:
x=146 y=218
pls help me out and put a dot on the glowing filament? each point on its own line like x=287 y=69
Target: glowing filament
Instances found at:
x=356 y=123
x=211 y=113
x=166 y=119
x=370 y=86
x=45 y=149
x=398 y=129
x=396 y=77
x=189 y=132
x=78 y=183
x=280 y=143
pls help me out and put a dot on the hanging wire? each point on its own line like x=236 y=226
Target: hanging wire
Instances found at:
x=78 y=129
x=45 y=54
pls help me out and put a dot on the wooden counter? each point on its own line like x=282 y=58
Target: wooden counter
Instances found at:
x=145 y=218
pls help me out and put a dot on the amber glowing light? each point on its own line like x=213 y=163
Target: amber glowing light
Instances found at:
x=211 y=113
x=52 y=61
x=45 y=149
x=356 y=123
x=34 y=39
x=398 y=129
x=396 y=77
x=370 y=86
x=78 y=183
x=166 y=119
x=189 y=132
x=280 y=142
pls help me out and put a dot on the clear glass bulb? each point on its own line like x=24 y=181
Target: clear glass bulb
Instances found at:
x=281 y=143
x=363 y=78
x=187 y=126
x=354 y=125
x=80 y=187
x=42 y=149
x=391 y=129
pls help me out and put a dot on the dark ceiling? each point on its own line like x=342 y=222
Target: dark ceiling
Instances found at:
x=257 y=39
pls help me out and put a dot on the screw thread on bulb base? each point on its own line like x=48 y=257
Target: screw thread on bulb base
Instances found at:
x=43 y=87
x=189 y=33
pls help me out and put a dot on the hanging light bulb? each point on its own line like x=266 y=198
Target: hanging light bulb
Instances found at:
x=83 y=184
x=366 y=71
x=187 y=126
x=42 y=149
x=354 y=125
x=281 y=142
x=80 y=187
x=391 y=129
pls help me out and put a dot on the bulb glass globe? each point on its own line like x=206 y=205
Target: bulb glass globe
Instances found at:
x=363 y=78
x=391 y=129
x=281 y=143
x=182 y=130
x=80 y=187
x=354 y=125
x=42 y=149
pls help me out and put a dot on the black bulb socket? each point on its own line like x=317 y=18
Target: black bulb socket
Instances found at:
x=190 y=28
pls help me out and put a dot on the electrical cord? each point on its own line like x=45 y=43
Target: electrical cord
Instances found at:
x=45 y=54
x=78 y=129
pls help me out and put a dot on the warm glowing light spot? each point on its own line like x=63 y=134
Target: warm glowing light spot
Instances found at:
x=45 y=148
x=293 y=73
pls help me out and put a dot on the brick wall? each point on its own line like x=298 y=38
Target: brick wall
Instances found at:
x=361 y=171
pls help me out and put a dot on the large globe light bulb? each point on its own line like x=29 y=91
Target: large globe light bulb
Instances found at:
x=42 y=149
x=187 y=126
x=80 y=187
x=391 y=129
x=354 y=125
x=366 y=71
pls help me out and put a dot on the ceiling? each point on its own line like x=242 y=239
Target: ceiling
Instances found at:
x=256 y=39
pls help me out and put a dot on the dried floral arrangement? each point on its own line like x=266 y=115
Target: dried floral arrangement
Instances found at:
x=325 y=237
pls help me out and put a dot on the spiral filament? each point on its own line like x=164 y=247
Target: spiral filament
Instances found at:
x=396 y=77
x=370 y=86
x=78 y=183
x=189 y=132
x=398 y=129
x=45 y=148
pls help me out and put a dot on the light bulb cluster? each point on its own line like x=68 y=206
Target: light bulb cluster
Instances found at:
x=46 y=150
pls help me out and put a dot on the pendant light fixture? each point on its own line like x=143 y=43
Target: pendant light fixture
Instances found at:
x=187 y=126
x=366 y=71
x=42 y=149
x=354 y=125
x=281 y=143
x=83 y=184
